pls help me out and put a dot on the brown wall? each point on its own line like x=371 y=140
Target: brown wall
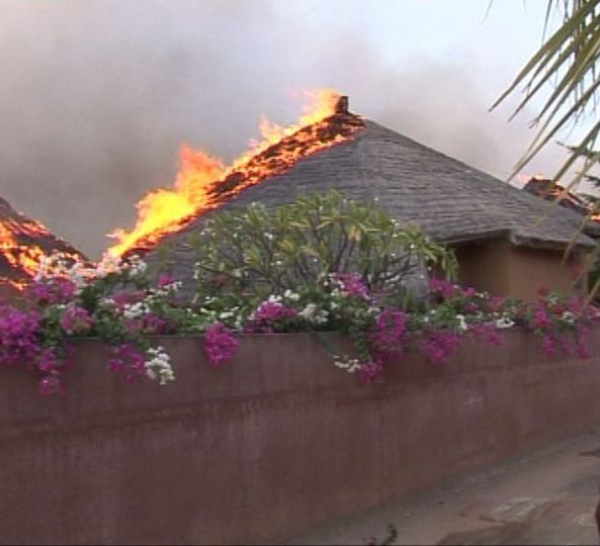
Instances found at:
x=530 y=269
x=504 y=269
x=485 y=266
x=269 y=445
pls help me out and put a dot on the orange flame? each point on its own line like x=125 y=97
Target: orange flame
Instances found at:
x=163 y=208
x=200 y=184
x=22 y=243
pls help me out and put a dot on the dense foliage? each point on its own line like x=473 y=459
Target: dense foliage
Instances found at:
x=373 y=305
x=261 y=251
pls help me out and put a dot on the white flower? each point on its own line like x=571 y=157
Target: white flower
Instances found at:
x=77 y=275
x=351 y=365
x=292 y=296
x=42 y=268
x=308 y=313
x=158 y=366
x=462 y=323
x=107 y=301
x=108 y=264
x=504 y=322
x=322 y=317
x=135 y=310
x=135 y=266
x=569 y=317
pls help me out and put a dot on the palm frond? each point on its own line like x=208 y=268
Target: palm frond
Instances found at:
x=566 y=65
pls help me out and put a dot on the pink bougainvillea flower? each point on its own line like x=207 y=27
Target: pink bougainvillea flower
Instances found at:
x=219 y=344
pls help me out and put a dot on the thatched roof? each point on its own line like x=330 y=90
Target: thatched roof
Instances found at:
x=22 y=240
x=450 y=200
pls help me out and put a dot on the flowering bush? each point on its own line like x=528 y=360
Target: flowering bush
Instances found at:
x=383 y=333
x=561 y=323
x=113 y=301
x=116 y=302
x=262 y=251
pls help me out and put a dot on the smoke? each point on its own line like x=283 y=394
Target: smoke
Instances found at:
x=97 y=98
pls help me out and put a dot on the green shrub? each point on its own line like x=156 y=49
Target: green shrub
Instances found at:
x=261 y=251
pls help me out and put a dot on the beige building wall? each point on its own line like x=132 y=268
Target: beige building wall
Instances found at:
x=503 y=269
x=484 y=266
x=530 y=269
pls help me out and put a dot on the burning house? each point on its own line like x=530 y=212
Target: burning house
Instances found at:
x=23 y=242
x=554 y=192
x=507 y=241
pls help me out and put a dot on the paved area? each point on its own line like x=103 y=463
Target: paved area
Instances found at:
x=543 y=497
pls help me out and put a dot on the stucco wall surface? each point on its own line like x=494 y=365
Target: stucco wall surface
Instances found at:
x=268 y=445
x=504 y=269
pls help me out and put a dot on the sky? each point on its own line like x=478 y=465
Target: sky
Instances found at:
x=98 y=96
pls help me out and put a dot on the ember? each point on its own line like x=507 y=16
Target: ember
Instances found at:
x=551 y=191
x=203 y=182
x=23 y=244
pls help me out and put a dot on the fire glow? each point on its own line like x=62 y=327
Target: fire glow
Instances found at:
x=553 y=191
x=23 y=245
x=204 y=182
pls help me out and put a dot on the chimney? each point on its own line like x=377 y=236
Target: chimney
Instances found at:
x=342 y=105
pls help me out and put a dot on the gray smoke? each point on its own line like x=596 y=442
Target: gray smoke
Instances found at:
x=97 y=98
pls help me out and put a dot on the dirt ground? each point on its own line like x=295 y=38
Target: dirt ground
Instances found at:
x=547 y=496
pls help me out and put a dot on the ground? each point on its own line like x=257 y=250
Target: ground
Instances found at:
x=547 y=496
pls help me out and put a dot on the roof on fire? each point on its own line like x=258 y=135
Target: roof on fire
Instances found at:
x=450 y=200
x=19 y=235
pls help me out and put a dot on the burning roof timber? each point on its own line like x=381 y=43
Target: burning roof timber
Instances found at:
x=554 y=192
x=204 y=183
x=451 y=201
x=23 y=242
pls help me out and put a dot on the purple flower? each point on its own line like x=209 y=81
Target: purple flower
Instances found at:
x=470 y=292
x=439 y=346
x=541 y=319
x=20 y=333
x=352 y=284
x=128 y=361
x=267 y=316
x=76 y=320
x=53 y=290
x=580 y=341
x=443 y=287
x=486 y=331
x=48 y=360
x=390 y=329
x=52 y=366
x=219 y=344
x=153 y=324
x=370 y=372
x=165 y=280
x=51 y=384
x=147 y=324
x=549 y=344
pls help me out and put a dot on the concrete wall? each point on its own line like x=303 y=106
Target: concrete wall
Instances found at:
x=504 y=269
x=269 y=445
